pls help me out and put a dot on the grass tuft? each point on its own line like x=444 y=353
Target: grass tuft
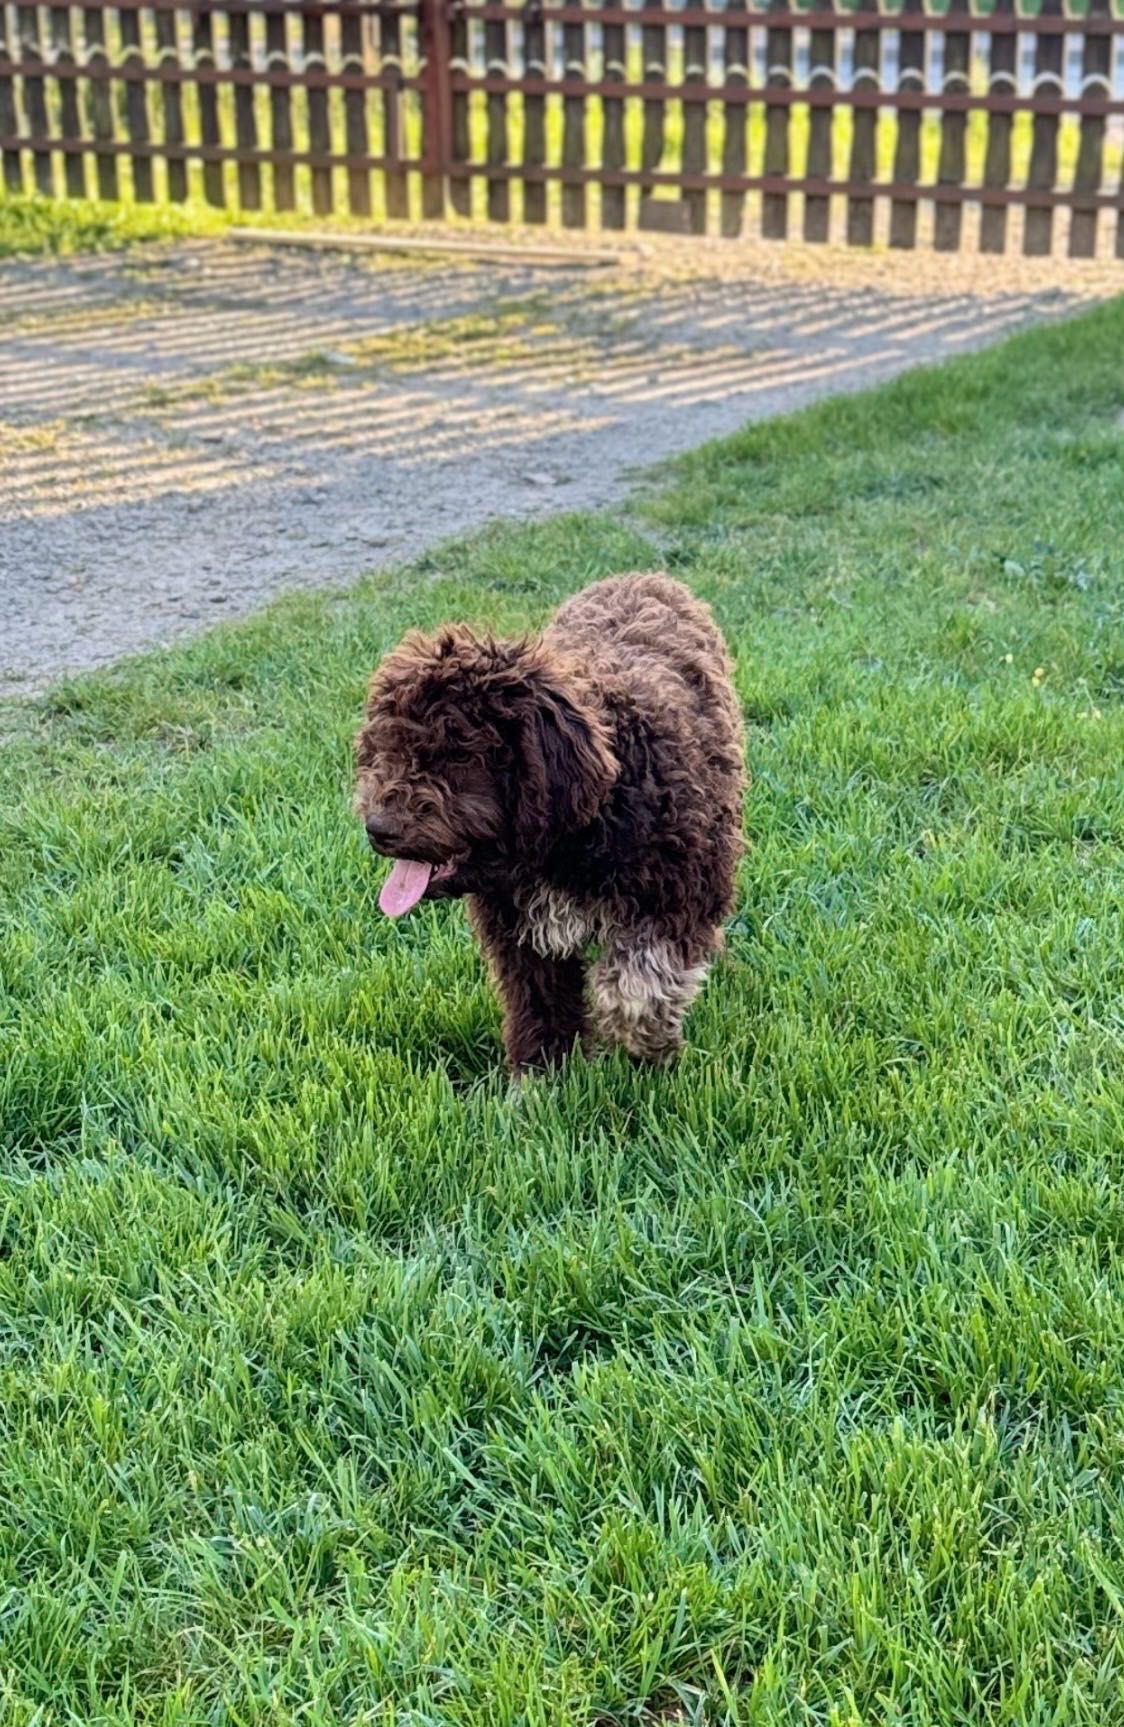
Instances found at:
x=30 y=224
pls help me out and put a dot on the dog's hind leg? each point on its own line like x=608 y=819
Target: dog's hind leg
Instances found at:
x=543 y=996
x=641 y=988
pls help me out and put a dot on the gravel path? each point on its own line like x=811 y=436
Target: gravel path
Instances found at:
x=186 y=431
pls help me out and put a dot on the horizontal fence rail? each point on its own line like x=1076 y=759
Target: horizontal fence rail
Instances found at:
x=793 y=122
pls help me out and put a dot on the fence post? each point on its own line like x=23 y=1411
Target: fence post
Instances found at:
x=436 y=105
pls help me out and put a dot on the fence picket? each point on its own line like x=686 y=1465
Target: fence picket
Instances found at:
x=214 y=189
x=136 y=104
x=653 y=40
x=907 y=148
x=435 y=53
x=948 y=220
x=355 y=115
x=171 y=106
x=101 y=108
x=817 y=208
x=396 y=186
x=1038 y=230
x=694 y=125
x=1096 y=79
x=280 y=110
x=9 y=122
x=573 y=125
x=1002 y=81
x=735 y=68
x=70 y=120
x=316 y=108
x=245 y=125
x=35 y=97
x=534 y=112
x=495 y=64
x=778 y=75
x=860 y=210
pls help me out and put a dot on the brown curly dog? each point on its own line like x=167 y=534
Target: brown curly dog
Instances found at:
x=581 y=788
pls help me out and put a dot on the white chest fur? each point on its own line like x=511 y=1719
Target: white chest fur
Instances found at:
x=556 y=925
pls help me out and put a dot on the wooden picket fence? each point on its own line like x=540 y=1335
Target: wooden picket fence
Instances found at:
x=812 y=122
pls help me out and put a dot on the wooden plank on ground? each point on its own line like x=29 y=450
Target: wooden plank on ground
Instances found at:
x=577 y=258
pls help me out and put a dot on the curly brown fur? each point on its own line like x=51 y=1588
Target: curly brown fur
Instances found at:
x=581 y=788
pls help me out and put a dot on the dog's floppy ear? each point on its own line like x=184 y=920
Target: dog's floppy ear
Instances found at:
x=566 y=767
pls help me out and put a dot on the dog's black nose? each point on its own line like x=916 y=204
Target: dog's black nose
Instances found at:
x=380 y=831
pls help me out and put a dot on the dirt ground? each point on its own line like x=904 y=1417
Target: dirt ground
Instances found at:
x=186 y=431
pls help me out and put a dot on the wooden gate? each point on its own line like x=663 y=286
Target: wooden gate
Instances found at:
x=910 y=126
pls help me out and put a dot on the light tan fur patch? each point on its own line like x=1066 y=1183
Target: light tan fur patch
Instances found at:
x=556 y=926
x=640 y=996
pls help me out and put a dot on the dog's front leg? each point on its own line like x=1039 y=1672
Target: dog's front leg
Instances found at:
x=543 y=998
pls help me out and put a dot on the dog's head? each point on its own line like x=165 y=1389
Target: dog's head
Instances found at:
x=475 y=756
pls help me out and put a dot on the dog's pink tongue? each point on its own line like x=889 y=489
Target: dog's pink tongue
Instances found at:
x=404 y=886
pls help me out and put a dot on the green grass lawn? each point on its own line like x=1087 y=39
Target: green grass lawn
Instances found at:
x=341 y=1385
